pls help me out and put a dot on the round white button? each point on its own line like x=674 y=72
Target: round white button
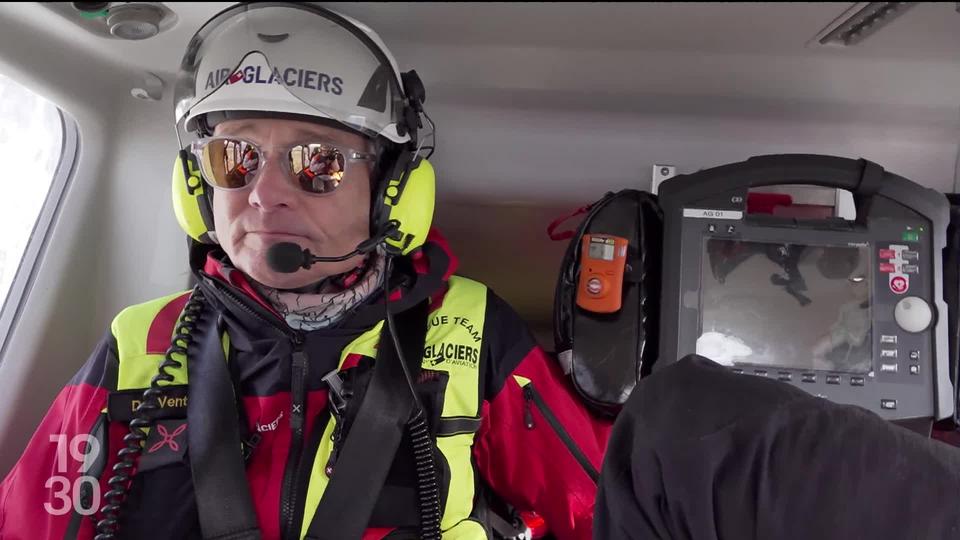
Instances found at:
x=913 y=314
x=594 y=286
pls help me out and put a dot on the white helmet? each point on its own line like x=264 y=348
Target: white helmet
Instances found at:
x=297 y=59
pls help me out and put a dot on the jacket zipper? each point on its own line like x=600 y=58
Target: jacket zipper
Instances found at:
x=291 y=476
x=273 y=322
x=531 y=396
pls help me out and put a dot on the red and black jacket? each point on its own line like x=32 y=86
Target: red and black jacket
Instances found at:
x=538 y=448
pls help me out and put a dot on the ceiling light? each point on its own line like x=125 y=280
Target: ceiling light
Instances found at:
x=118 y=20
x=134 y=21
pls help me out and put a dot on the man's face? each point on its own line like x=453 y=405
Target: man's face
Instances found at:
x=250 y=220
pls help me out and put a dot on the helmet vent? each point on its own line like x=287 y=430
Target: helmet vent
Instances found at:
x=272 y=38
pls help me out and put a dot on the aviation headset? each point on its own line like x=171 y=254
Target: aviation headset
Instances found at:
x=404 y=197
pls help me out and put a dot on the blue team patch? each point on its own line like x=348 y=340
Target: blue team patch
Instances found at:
x=291 y=77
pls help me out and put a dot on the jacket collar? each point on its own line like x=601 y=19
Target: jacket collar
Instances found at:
x=418 y=276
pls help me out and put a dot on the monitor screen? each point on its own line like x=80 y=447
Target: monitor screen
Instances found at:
x=784 y=305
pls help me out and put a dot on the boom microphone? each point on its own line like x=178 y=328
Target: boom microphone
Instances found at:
x=288 y=257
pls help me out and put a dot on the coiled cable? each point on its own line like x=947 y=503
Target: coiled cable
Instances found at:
x=428 y=491
x=144 y=418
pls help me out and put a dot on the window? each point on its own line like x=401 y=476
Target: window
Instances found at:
x=37 y=153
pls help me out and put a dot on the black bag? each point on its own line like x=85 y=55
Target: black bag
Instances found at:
x=606 y=354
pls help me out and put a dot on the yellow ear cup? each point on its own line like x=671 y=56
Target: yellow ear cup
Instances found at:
x=190 y=203
x=412 y=208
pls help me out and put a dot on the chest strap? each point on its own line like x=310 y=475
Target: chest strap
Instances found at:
x=369 y=449
x=224 y=503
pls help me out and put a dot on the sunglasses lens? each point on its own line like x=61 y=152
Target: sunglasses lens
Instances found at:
x=317 y=168
x=228 y=163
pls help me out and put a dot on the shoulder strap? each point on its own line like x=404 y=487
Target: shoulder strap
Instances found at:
x=224 y=503
x=369 y=449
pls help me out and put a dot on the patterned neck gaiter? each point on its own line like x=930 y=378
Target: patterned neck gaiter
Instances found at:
x=330 y=300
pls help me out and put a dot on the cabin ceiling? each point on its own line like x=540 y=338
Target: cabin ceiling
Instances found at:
x=543 y=107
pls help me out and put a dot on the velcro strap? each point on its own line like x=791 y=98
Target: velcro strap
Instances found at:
x=458 y=425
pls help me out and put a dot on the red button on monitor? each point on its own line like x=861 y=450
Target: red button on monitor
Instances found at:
x=888 y=254
x=887 y=268
x=899 y=284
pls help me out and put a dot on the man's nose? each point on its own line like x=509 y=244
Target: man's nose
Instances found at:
x=273 y=189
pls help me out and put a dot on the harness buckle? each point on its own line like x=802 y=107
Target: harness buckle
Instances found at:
x=337 y=402
x=249 y=445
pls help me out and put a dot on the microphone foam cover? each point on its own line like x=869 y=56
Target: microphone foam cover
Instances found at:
x=285 y=257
